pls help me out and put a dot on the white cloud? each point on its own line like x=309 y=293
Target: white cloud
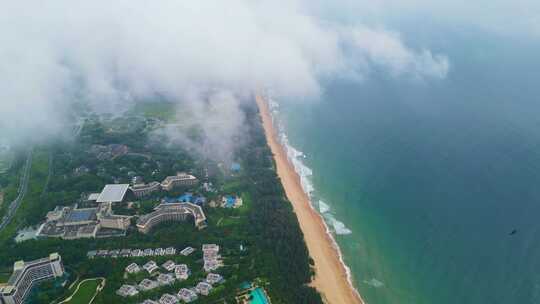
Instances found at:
x=116 y=52
x=386 y=49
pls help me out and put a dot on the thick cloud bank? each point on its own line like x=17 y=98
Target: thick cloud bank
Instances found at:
x=113 y=52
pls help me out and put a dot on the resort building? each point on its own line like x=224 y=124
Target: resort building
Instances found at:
x=214 y=278
x=133 y=268
x=147 y=284
x=181 y=179
x=210 y=248
x=136 y=253
x=203 y=288
x=172 y=212
x=168 y=299
x=187 y=295
x=170 y=251
x=148 y=301
x=141 y=190
x=181 y=272
x=125 y=253
x=165 y=279
x=127 y=291
x=27 y=274
x=159 y=252
x=148 y=252
x=169 y=265
x=113 y=193
x=211 y=257
x=187 y=251
x=74 y=223
x=150 y=267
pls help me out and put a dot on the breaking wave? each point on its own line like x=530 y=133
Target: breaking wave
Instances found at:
x=339 y=228
x=374 y=283
x=323 y=207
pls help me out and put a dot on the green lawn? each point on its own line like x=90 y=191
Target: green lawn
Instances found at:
x=85 y=293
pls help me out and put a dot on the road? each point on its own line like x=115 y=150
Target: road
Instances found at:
x=23 y=187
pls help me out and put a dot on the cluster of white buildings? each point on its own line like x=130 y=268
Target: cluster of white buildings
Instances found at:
x=124 y=253
x=211 y=257
x=185 y=295
x=181 y=272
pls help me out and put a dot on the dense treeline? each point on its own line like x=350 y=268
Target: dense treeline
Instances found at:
x=284 y=257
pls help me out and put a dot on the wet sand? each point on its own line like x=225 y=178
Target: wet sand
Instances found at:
x=330 y=273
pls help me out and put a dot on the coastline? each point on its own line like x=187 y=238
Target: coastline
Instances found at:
x=332 y=278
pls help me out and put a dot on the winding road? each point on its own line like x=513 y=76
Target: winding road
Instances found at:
x=21 y=192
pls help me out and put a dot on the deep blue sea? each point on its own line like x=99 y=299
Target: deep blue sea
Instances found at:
x=424 y=181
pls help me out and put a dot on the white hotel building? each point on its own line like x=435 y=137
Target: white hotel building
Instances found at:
x=27 y=274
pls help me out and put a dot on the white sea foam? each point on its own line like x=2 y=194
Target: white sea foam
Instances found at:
x=323 y=207
x=339 y=227
x=374 y=283
x=305 y=173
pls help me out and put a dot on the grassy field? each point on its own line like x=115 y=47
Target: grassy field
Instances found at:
x=85 y=292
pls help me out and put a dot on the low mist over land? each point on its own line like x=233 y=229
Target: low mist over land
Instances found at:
x=206 y=55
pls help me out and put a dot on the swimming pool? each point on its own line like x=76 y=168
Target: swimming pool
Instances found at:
x=258 y=296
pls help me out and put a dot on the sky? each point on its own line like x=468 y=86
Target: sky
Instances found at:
x=209 y=56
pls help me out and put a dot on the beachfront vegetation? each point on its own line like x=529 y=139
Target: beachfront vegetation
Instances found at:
x=262 y=239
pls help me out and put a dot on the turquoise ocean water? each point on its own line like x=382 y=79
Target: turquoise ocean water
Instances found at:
x=424 y=181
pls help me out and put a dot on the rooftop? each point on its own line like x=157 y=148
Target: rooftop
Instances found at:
x=81 y=215
x=113 y=193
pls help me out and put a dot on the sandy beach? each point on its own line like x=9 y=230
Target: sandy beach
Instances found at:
x=330 y=274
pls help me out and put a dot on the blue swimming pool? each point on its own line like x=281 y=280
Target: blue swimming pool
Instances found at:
x=259 y=296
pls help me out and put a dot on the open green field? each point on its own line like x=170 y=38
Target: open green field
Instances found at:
x=85 y=292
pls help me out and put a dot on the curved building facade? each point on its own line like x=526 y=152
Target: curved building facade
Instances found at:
x=172 y=212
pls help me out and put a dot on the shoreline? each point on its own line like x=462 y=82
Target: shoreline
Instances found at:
x=332 y=278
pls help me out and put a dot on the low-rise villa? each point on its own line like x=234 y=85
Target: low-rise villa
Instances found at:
x=181 y=272
x=127 y=291
x=168 y=299
x=214 y=278
x=203 y=288
x=150 y=266
x=187 y=295
x=165 y=279
x=147 y=284
x=169 y=265
x=133 y=268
